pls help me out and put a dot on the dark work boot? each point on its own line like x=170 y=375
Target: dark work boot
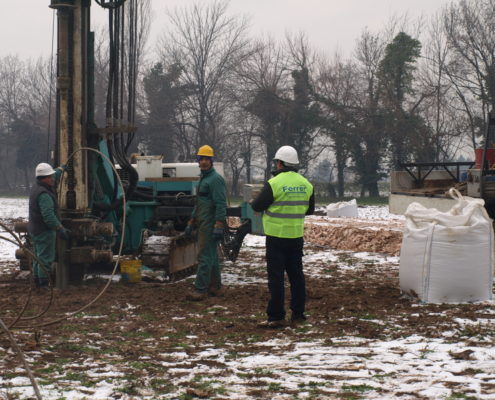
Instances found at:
x=41 y=282
x=297 y=319
x=281 y=323
x=194 y=295
x=216 y=291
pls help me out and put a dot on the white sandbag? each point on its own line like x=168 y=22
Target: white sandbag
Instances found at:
x=447 y=257
x=342 y=209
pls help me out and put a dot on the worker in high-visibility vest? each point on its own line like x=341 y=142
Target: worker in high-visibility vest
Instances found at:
x=285 y=199
x=208 y=217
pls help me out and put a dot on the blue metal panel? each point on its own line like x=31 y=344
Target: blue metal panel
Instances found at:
x=103 y=147
x=139 y=217
x=247 y=212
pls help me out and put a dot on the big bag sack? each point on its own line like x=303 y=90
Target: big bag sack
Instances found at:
x=447 y=257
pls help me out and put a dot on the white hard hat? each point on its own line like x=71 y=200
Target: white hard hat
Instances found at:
x=287 y=154
x=44 y=169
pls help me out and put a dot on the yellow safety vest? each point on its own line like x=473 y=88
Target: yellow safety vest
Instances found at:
x=285 y=216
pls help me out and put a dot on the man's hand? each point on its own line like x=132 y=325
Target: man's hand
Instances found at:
x=63 y=233
x=188 y=231
x=218 y=231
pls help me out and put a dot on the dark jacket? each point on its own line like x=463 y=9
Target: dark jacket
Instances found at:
x=45 y=217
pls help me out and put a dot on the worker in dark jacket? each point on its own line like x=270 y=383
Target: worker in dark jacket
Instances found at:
x=44 y=222
x=209 y=218
x=285 y=199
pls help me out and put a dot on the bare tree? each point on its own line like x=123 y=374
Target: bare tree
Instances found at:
x=336 y=90
x=368 y=141
x=265 y=80
x=304 y=114
x=101 y=65
x=13 y=96
x=241 y=142
x=12 y=88
x=468 y=26
x=207 y=44
x=24 y=110
x=139 y=19
x=441 y=109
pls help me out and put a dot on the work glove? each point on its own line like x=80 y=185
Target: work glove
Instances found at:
x=217 y=233
x=188 y=231
x=63 y=233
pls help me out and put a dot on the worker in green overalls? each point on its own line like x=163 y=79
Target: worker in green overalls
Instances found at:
x=209 y=218
x=44 y=222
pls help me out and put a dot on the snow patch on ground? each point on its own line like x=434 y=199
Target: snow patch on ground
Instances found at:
x=381 y=369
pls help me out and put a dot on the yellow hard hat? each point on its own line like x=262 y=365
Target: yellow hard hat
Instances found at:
x=205 y=151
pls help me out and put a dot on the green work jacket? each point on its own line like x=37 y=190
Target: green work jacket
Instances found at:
x=43 y=207
x=211 y=203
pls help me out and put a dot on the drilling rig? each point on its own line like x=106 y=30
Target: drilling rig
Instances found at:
x=138 y=209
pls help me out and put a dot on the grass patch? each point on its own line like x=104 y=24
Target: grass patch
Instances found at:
x=263 y=371
x=232 y=355
x=233 y=335
x=149 y=317
x=464 y=396
x=137 y=334
x=176 y=335
x=477 y=330
x=302 y=329
x=254 y=338
x=424 y=351
x=274 y=387
x=347 y=258
x=364 y=315
x=52 y=369
x=311 y=384
x=381 y=377
x=206 y=384
x=79 y=348
x=129 y=387
x=357 y=388
x=81 y=377
x=161 y=385
x=143 y=365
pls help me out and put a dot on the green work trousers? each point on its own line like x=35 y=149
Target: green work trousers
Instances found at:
x=44 y=249
x=208 y=264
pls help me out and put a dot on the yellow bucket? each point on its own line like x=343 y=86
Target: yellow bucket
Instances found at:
x=130 y=270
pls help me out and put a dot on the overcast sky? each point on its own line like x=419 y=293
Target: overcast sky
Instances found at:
x=329 y=24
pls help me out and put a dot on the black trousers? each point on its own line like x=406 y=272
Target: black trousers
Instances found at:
x=285 y=255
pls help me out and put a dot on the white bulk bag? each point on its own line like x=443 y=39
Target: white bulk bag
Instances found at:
x=342 y=209
x=447 y=257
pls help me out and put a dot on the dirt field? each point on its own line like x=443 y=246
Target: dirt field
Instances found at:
x=362 y=340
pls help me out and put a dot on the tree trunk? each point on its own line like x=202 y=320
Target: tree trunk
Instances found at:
x=331 y=191
x=235 y=183
x=27 y=181
x=270 y=150
x=248 y=168
x=340 y=180
x=373 y=189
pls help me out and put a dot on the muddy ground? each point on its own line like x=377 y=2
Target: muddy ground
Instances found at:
x=137 y=330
